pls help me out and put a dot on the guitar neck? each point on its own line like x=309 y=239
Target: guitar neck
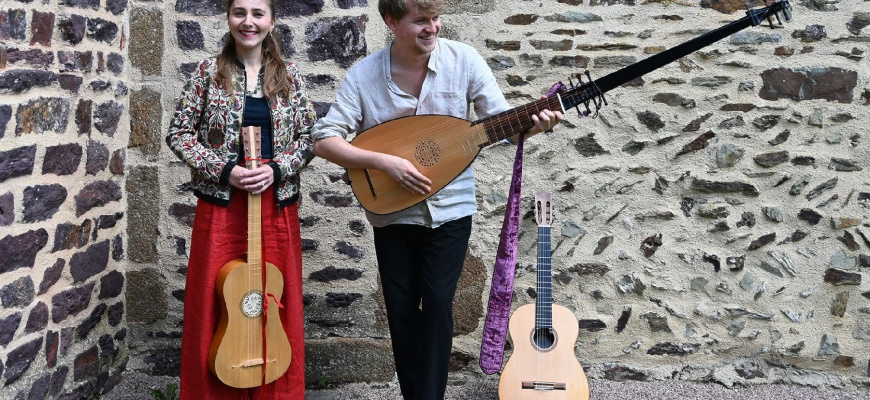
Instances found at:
x=251 y=138
x=544 y=299
x=508 y=123
x=255 y=239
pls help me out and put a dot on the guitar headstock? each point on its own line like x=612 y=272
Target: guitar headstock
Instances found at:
x=544 y=208
x=770 y=9
x=251 y=138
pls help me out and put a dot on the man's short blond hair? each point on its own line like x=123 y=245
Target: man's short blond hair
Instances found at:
x=398 y=8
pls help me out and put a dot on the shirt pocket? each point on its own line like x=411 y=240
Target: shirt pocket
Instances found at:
x=451 y=103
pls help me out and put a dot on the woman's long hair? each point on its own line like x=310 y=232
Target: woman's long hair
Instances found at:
x=275 y=80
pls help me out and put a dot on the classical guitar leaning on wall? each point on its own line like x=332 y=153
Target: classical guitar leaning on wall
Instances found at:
x=239 y=356
x=441 y=147
x=543 y=364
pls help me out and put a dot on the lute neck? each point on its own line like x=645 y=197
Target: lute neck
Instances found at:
x=511 y=122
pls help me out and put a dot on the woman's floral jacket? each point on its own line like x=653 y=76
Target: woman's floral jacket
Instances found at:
x=205 y=133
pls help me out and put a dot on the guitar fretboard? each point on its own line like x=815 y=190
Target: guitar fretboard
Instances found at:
x=511 y=122
x=544 y=300
x=251 y=138
x=255 y=242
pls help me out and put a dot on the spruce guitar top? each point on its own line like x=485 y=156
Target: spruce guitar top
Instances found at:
x=543 y=364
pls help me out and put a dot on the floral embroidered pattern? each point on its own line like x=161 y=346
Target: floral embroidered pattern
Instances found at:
x=205 y=128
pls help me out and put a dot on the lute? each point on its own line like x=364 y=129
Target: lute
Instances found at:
x=543 y=365
x=442 y=147
x=250 y=346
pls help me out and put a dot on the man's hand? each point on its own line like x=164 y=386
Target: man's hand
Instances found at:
x=544 y=121
x=403 y=172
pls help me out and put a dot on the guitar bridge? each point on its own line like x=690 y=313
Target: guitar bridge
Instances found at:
x=371 y=185
x=543 y=385
x=253 y=363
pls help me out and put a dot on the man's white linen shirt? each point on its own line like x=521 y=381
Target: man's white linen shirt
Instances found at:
x=457 y=77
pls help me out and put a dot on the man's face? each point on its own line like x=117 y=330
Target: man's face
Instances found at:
x=416 y=31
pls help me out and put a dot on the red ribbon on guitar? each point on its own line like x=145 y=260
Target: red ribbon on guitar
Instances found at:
x=266 y=296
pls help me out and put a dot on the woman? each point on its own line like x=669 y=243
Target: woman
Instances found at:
x=247 y=84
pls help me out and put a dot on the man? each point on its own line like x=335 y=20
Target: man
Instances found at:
x=420 y=250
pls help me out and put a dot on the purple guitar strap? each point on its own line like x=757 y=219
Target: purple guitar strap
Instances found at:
x=499 y=308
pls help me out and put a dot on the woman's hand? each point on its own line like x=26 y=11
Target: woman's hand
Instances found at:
x=252 y=180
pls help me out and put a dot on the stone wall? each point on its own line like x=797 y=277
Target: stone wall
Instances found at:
x=712 y=222
x=64 y=92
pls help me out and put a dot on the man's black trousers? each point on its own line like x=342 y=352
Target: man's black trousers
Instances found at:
x=419 y=269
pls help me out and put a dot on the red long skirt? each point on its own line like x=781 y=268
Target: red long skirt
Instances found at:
x=219 y=236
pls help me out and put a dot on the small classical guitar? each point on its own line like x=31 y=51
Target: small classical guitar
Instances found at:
x=238 y=355
x=442 y=147
x=543 y=364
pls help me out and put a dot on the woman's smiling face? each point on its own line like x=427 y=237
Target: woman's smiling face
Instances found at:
x=250 y=21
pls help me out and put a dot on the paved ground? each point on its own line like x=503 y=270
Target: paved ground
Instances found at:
x=136 y=386
x=609 y=390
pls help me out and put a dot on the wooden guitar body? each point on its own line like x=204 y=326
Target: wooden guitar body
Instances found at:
x=543 y=364
x=439 y=146
x=250 y=346
x=236 y=353
x=558 y=374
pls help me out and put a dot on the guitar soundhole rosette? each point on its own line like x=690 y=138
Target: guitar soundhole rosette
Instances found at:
x=544 y=339
x=252 y=304
x=427 y=153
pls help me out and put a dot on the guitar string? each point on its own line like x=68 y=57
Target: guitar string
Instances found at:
x=255 y=262
x=502 y=125
x=538 y=307
x=251 y=247
x=543 y=321
x=503 y=122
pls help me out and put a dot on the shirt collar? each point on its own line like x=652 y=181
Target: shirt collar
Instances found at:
x=433 y=58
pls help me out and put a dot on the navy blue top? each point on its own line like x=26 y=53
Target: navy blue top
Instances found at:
x=257 y=114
